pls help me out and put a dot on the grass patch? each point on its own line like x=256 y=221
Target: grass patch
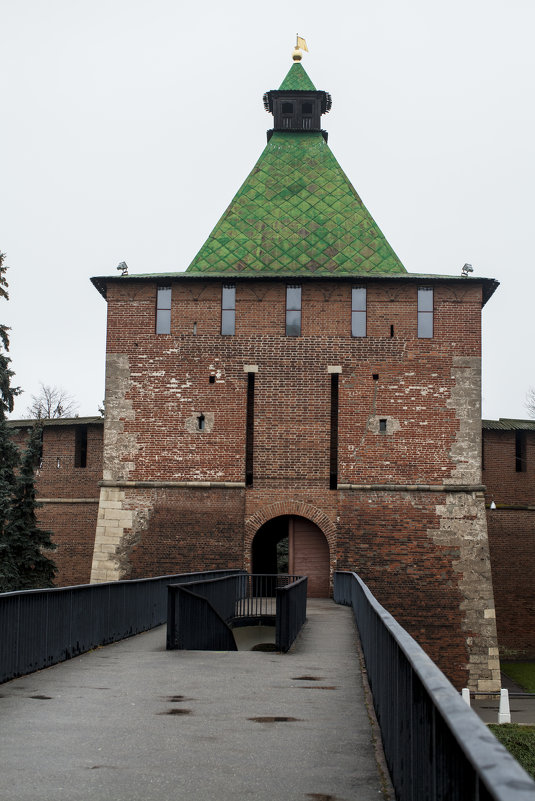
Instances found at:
x=521 y=672
x=519 y=741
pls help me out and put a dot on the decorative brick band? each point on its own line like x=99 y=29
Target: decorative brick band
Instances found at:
x=504 y=507
x=67 y=500
x=414 y=487
x=172 y=484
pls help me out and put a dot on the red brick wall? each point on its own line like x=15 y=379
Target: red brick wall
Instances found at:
x=186 y=531
x=73 y=531
x=511 y=528
x=385 y=538
x=428 y=390
x=504 y=485
x=169 y=382
x=72 y=523
x=67 y=480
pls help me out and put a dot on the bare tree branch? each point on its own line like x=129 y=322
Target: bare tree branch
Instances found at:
x=530 y=402
x=52 y=402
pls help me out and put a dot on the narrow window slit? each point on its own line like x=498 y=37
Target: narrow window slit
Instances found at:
x=228 y=310
x=358 y=311
x=425 y=312
x=80 y=446
x=163 y=310
x=520 y=451
x=249 y=431
x=333 y=477
x=200 y=422
x=293 y=311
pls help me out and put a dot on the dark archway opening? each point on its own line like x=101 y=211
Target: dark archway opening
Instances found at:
x=270 y=547
x=295 y=545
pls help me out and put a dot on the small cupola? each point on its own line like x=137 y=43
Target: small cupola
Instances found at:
x=297 y=106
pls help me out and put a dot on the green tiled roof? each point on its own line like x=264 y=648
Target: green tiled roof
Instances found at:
x=296 y=213
x=297 y=80
x=509 y=424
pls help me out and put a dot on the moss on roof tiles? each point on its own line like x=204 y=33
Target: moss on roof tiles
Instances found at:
x=296 y=211
x=297 y=80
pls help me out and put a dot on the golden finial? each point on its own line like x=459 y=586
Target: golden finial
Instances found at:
x=300 y=45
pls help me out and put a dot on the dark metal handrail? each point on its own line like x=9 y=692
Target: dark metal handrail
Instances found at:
x=291 y=612
x=258 y=594
x=39 y=628
x=436 y=747
x=195 y=624
x=234 y=600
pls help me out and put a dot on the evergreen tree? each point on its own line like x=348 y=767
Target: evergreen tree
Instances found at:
x=22 y=564
x=9 y=455
x=25 y=539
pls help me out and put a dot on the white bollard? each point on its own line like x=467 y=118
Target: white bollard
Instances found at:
x=504 y=713
x=465 y=692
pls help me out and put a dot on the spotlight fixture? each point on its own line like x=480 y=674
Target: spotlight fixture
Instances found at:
x=467 y=268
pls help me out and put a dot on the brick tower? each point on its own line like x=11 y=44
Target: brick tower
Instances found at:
x=297 y=401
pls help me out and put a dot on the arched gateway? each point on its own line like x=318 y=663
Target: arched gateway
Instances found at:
x=293 y=544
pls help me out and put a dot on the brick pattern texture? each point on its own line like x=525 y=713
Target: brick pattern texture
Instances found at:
x=511 y=528
x=69 y=497
x=411 y=546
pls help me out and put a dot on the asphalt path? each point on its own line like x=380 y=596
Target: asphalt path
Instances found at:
x=133 y=721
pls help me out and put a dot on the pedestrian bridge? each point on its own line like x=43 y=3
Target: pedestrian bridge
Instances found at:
x=136 y=721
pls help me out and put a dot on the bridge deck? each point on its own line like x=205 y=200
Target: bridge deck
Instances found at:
x=133 y=721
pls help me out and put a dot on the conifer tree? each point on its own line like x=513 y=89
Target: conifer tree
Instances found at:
x=22 y=563
x=25 y=539
x=9 y=455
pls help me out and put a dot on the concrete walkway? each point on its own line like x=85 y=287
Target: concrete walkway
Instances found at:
x=133 y=721
x=521 y=705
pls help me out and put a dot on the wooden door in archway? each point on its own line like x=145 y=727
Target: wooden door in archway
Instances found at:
x=308 y=552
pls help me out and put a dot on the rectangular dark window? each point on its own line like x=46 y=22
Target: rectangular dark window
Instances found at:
x=520 y=451
x=228 y=310
x=333 y=477
x=425 y=312
x=39 y=458
x=293 y=311
x=80 y=446
x=163 y=310
x=249 y=431
x=358 y=311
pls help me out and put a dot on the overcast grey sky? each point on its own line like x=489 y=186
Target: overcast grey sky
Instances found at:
x=127 y=127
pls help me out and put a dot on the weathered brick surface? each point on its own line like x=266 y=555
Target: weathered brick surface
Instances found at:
x=416 y=553
x=69 y=497
x=186 y=530
x=423 y=553
x=73 y=531
x=511 y=528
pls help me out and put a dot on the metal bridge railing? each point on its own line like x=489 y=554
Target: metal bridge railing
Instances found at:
x=258 y=594
x=291 y=612
x=39 y=628
x=201 y=615
x=436 y=747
